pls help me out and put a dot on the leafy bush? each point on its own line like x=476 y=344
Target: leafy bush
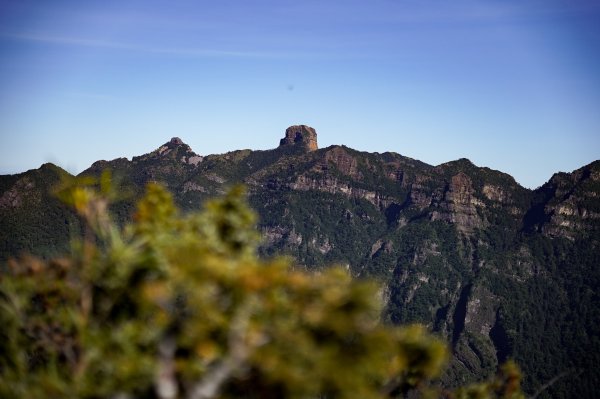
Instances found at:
x=177 y=305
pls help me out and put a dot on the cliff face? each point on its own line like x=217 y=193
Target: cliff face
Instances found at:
x=300 y=135
x=499 y=270
x=571 y=208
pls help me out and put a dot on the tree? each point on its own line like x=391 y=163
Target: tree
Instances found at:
x=179 y=306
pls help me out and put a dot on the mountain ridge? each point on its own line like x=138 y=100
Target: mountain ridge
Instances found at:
x=496 y=268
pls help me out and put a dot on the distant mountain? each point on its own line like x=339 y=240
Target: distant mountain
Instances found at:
x=501 y=271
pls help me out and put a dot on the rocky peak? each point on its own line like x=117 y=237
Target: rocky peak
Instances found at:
x=176 y=141
x=174 y=149
x=175 y=144
x=302 y=135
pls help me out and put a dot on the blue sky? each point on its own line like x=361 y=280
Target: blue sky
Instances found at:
x=512 y=85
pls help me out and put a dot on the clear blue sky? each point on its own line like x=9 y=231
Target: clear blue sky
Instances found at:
x=512 y=85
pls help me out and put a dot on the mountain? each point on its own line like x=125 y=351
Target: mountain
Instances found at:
x=499 y=270
x=31 y=218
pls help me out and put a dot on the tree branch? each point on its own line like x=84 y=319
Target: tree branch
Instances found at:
x=239 y=351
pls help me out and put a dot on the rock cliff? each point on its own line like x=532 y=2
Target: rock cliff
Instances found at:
x=302 y=136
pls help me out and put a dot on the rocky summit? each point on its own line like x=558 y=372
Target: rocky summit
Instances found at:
x=300 y=135
x=499 y=270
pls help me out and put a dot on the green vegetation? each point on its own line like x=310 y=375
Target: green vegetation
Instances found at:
x=33 y=222
x=496 y=270
x=179 y=305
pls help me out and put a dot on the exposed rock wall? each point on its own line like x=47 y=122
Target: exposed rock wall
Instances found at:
x=300 y=135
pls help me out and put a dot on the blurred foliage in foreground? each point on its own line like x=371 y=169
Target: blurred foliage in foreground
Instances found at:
x=180 y=306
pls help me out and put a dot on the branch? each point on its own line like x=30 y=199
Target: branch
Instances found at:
x=239 y=352
x=165 y=381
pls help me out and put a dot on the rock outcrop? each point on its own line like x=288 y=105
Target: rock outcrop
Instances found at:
x=573 y=208
x=460 y=205
x=302 y=135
